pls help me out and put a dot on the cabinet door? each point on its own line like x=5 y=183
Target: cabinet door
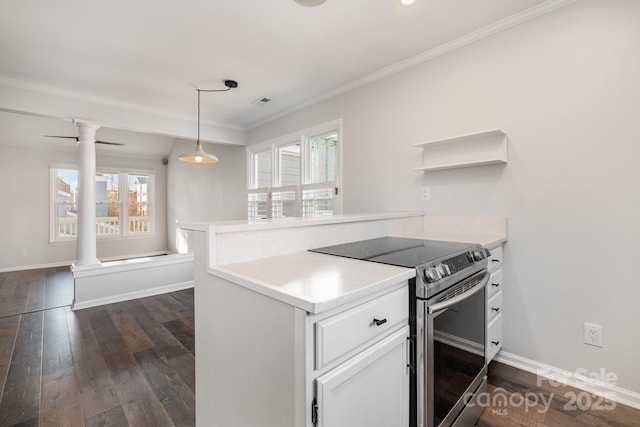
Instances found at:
x=371 y=389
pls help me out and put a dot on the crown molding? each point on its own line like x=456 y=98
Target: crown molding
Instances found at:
x=50 y=90
x=496 y=27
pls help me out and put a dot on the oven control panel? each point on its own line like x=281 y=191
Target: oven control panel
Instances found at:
x=454 y=265
x=460 y=262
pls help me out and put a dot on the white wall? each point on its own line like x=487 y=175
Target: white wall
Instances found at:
x=565 y=88
x=214 y=192
x=24 y=214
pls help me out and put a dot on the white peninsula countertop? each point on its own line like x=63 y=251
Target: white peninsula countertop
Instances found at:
x=271 y=257
x=313 y=282
x=317 y=282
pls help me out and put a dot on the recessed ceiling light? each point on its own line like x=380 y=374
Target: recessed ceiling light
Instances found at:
x=407 y=2
x=310 y=3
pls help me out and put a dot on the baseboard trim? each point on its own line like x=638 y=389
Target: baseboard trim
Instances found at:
x=572 y=379
x=133 y=295
x=35 y=266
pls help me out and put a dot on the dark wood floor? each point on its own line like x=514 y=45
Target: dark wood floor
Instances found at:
x=35 y=290
x=547 y=404
x=132 y=364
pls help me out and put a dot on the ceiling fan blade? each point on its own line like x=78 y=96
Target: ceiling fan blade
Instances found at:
x=62 y=136
x=110 y=143
x=77 y=138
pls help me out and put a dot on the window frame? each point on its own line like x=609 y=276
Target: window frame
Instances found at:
x=303 y=138
x=123 y=202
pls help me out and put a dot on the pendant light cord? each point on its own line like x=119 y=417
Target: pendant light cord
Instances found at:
x=227 y=83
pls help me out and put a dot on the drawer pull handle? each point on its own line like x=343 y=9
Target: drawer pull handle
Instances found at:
x=495 y=342
x=496 y=309
x=495 y=284
x=379 y=322
x=495 y=260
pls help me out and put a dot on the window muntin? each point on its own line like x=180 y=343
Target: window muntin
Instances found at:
x=114 y=206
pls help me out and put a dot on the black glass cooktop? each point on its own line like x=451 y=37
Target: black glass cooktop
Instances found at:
x=399 y=251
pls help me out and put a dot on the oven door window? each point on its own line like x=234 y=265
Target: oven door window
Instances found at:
x=459 y=353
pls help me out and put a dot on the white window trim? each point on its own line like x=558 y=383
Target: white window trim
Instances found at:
x=302 y=137
x=124 y=213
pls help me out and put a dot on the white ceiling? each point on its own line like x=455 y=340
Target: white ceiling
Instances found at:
x=151 y=55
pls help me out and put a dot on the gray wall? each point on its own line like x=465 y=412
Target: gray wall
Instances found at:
x=565 y=88
x=204 y=192
x=24 y=214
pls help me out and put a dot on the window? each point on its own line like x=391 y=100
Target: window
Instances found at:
x=121 y=198
x=297 y=175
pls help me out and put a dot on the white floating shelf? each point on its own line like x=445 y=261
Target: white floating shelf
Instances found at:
x=482 y=148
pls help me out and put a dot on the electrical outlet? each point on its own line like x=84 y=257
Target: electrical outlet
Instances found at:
x=593 y=334
x=23 y=252
x=425 y=193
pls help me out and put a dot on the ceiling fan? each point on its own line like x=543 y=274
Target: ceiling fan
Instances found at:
x=77 y=138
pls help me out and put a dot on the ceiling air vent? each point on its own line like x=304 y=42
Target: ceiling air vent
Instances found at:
x=261 y=101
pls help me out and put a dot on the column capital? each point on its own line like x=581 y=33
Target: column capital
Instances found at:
x=86 y=126
x=86 y=123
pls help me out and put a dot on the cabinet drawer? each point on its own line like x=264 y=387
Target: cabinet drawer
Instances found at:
x=339 y=334
x=494 y=337
x=495 y=259
x=494 y=306
x=495 y=282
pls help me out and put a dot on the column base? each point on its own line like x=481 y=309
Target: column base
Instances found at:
x=85 y=266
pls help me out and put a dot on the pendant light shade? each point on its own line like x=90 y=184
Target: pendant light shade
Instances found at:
x=310 y=3
x=198 y=156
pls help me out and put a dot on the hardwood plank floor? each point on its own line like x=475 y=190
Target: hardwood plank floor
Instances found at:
x=133 y=364
x=520 y=398
x=35 y=290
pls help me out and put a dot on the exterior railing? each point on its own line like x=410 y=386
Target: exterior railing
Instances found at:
x=304 y=200
x=105 y=226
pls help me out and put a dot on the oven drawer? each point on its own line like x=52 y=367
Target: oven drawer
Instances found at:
x=494 y=337
x=495 y=258
x=495 y=282
x=339 y=334
x=494 y=306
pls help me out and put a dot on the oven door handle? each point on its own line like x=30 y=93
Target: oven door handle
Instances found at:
x=441 y=306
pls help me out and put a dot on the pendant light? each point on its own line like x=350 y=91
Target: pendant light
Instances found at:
x=198 y=156
x=310 y=3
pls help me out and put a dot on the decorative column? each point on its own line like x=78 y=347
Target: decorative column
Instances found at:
x=86 y=227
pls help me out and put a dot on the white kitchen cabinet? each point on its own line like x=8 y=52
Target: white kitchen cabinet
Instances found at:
x=370 y=389
x=482 y=148
x=494 y=306
x=361 y=373
x=494 y=337
x=494 y=303
x=264 y=362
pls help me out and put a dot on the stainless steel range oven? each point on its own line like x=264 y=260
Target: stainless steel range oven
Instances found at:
x=447 y=323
